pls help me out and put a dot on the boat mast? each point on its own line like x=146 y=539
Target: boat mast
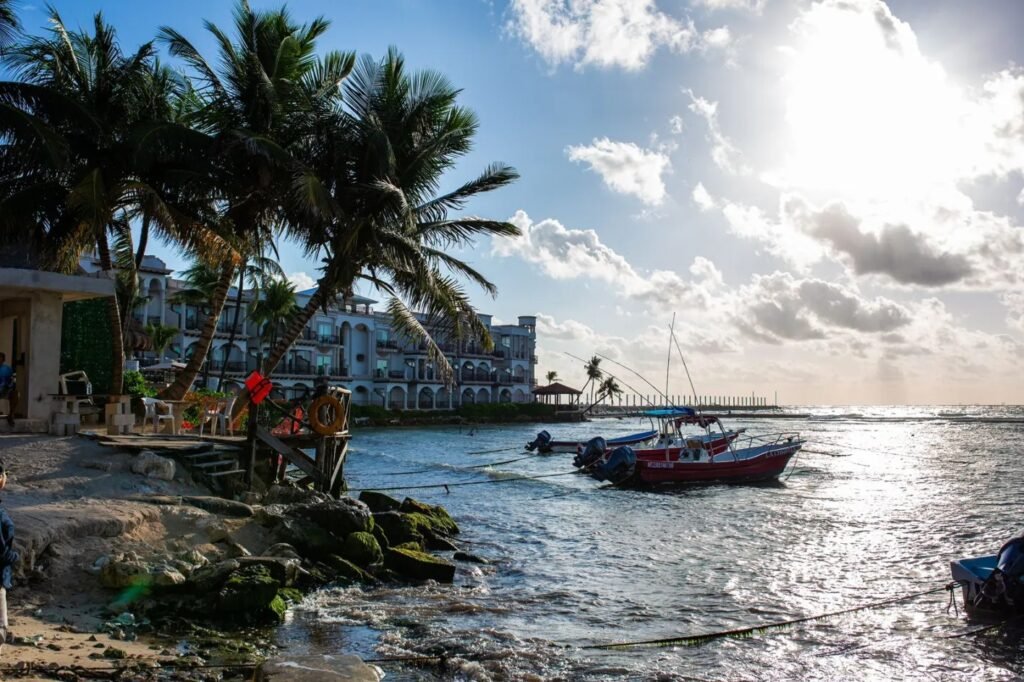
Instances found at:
x=668 y=360
x=688 y=378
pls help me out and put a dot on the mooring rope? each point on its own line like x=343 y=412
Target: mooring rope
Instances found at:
x=698 y=640
x=475 y=466
x=488 y=452
x=458 y=485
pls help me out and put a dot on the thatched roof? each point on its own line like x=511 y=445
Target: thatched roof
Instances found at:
x=556 y=388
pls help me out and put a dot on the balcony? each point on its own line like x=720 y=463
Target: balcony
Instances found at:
x=327 y=339
x=387 y=345
x=229 y=366
x=308 y=336
x=194 y=323
x=225 y=328
x=300 y=368
x=498 y=354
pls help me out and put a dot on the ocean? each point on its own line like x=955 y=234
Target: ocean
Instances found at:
x=886 y=499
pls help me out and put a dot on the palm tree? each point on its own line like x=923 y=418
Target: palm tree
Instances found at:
x=202 y=287
x=161 y=336
x=551 y=376
x=374 y=214
x=594 y=374
x=256 y=107
x=9 y=26
x=609 y=389
x=257 y=271
x=67 y=172
x=274 y=305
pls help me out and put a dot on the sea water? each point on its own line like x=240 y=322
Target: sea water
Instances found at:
x=888 y=497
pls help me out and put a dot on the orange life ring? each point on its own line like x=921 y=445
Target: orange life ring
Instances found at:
x=335 y=413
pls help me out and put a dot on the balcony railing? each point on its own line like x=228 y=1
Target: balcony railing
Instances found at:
x=327 y=339
x=193 y=323
x=231 y=365
x=387 y=344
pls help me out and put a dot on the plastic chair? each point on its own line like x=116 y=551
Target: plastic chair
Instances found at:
x=218 y=415
x=151 y=405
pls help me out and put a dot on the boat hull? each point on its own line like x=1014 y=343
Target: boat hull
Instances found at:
x=574 y=445
x=766 y=466
x=713 y=444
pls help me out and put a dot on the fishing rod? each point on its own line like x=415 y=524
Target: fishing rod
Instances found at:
x=675 y=339
x=668 y=359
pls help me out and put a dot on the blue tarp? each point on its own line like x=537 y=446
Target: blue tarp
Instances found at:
x=674 y=412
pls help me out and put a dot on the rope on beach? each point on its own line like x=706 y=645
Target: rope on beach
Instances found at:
x=458 y=485
x=699 y=640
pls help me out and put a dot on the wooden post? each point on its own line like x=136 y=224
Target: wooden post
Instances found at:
x=251 y=426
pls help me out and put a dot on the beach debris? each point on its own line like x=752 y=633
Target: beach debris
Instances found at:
x=152 y=465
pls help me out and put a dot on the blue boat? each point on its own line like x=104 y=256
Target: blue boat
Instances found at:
x=993 y=585
x=543 y=443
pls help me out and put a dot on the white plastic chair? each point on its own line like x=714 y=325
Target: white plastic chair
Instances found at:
x=151 y=405
x=219 y=416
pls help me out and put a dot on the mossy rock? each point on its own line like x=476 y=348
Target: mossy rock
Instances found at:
x=338 y=517
x=442 y=520
x=290 y=595
x=398 y=527
x=379 y=502
x=362 y=549
x=345 y=569
x=419 y=565
x=414 y=546
x=308 y=538
x=428 y=526
x=250 y=595
x=381 y=536
x=210 y=578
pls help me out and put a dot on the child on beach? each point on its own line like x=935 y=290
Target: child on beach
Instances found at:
x=8 y=558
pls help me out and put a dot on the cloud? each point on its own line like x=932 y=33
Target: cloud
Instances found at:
x=1014 y=303
x=755 y=6
x=302 y=281
x=625 y=167
x=676 y=126
x=604 y=33
x=701 y=197
x=725 y=155
x=564 y=253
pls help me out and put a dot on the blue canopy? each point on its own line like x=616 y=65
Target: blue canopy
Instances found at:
x=674 y=412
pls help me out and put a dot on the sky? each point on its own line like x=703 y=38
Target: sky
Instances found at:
x=827 y=196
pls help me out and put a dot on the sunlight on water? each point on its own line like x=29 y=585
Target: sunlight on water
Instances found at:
x=885 y=500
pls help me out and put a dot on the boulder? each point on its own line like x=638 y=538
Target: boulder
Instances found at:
x=166 y=576
x=249 y=595
x=419 y=565
x=286 y=494
x=219 y=505
x=152 y=465
x=194 y=558
x=236 y=550
x=440 y=520
x=119 y=573
x=339 y=517
x=398 y=527
x=382 y=537
x=284 y=570
x=282 y=549
x=471 y=558
x=343 y=568
x=379 y=502
x=308 y=538
x=270 y=515
x=439 y=543
x=362 y=549
x=211 y=578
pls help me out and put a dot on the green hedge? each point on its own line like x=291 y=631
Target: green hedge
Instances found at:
x=85 y=342
x=502 y=411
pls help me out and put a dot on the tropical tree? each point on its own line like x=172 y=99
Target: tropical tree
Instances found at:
x=551 y=376
x=609 y=389
x=71 y=124
x=594 y=374
x=256 y=106
x=9 y=26
x=161 y=336
x=257 y=272
x=372 y=213
x=202 y=284
x=274 y=305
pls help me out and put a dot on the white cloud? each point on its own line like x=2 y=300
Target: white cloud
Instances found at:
x=702 y=198
x=302 y=281
x=605 y=33
x=676 y=126
x=1014 y=303
x=626 y=168
x=725 y=155
x=755 y=6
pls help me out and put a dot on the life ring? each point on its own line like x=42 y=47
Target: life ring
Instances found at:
x=334 y=409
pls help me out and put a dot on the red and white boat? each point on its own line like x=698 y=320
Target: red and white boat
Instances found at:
x=702 y=459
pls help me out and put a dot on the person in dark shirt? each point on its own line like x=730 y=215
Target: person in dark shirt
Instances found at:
x=8 y=558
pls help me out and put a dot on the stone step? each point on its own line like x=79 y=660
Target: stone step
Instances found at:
x=201 y=455
x=211 y=465
x=225 y=473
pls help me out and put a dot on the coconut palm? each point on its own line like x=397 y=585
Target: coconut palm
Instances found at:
x=67 y=171
x=551 y=376
x=609 y=389
x=271 y=309
x=9 y=26
x=257 y=272
x=161 y=336
x=594 y=374
x=375 y=214
x=203 y=285
x=256 y=107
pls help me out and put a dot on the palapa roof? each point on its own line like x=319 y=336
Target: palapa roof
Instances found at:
x=556 y=388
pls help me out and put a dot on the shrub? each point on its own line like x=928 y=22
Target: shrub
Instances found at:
x=135 y=385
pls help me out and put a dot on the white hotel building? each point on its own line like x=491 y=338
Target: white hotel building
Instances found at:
x=352 y=346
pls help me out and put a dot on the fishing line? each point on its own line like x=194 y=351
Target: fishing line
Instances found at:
x=700 y=640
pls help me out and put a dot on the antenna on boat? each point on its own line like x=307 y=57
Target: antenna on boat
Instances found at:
x=641 y=376
x=668 y=360
x=688 y=378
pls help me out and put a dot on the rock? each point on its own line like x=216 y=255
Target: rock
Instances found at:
x=286 y=494
x=419 y=565
x=152 y=465
x=114 y=652
x=282 y=549
x=362 y=549
x=382 y=537
x=284 y=570
x=290 y=595
x=271 y=515
x=339 y=517
x=219 y=505
x=250 y=497
x=118 y=574
x=398 y=527
x=194 y=558
x=249 y=595
x=165 y=576
x=471 y=558
x=346 y=569
x=439 y=543
x=379 y=502
x=326 y=668
x=308 y=538
x=98 y=464
x=211 y=578
x=441 y=520
x=236 y=550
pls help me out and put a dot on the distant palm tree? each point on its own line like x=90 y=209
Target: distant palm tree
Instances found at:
x=609 y=389
x=272 y=309
x=594 y=374
x=552 y=376
x=256 y=271
x=202 y=286
x=161 y=336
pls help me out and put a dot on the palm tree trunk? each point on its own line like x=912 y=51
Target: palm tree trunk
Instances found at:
x=140 y=253
x=114 y=320
x=183 y=382
x=234 y=323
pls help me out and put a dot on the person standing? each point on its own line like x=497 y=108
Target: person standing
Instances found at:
x=8 y=558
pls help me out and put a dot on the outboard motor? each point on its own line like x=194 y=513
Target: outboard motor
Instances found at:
x=618 y=467
x=590 y=453
x=1005 y=586
x=541 y=443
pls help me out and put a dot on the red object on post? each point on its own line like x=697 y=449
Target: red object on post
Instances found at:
x=259 y=387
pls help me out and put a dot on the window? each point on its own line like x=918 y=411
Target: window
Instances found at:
x=323 y=364
x=382 y=335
